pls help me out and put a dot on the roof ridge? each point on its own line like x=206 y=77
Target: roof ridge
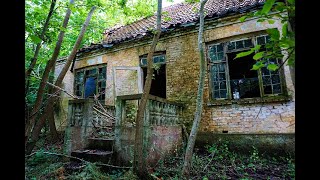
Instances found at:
x=180 y=13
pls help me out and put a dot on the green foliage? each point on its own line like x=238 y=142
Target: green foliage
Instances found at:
x=246 y=53
x=272 y=67
x=35 y=39
x=90 y=171
x=274 y=34
x=217 y=161
x=258 y=55
x=267 y=6
x=108 y=14
x=192 y=1
x=243 y=18
x=278 y=42
x=257 y=65
x=131 y=112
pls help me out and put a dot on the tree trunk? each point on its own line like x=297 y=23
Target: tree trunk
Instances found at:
x=51 y=102
x=36 y=53
x=52 y=126
x=50 y=64
x=197 y=116
x=139 y=165
x=291 y=28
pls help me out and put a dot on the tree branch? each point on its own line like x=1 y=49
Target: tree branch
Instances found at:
x=82 y=160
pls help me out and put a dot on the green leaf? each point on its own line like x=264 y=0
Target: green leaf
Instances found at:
x=286 y=42
x=35 y=39
x=165 y=13
x=274 y=34
x=280 y=6
x=284 y=30
x=261 y=20
x=63 y=29
x=167 y=18
x=291 y=1
x=242 y=54
x=267 y=6
x=243 y=18
x=259 y=55
x=257 y=66
x=256 y=48
x=271 y=21
x=272 y=67
x=72 y=8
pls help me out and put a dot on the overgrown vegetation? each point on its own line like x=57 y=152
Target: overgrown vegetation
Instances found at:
x=216 y=161
x=219 y=162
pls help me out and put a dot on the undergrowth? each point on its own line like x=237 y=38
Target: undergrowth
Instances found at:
x=216 y=161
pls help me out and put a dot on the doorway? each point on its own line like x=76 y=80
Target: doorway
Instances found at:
x=158 y=84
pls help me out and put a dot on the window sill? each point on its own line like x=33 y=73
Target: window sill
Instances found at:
x=269 y=99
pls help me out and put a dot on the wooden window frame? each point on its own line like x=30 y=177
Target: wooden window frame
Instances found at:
x=228 y=98
x=98 y=80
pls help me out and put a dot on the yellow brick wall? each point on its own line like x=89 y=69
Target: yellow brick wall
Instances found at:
x=182 y=71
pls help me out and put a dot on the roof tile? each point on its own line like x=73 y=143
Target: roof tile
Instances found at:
x=182 y=13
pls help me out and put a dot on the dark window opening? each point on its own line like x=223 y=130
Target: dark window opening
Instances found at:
x=90 y=82
x=233 y=78
x=244 y=82
x=90 y=87
x=158 y=84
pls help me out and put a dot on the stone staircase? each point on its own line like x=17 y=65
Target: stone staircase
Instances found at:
x=91 y=131
x=97 y=150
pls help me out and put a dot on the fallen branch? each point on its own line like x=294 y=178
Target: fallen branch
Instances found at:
x=96 y=109
x=213 y=153
x=57 y=87
x=100 y=105
x=82 y=160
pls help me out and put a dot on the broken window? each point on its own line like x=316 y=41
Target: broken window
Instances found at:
x=158 y=84
x=90 y=82
x=233 y=78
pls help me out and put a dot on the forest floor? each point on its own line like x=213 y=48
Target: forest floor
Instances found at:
x=212 y=162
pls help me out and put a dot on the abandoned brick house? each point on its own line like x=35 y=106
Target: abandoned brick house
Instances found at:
x=237 y=100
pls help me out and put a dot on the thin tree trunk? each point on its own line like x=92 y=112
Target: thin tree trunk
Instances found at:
x=139 y=165
x=45 y=76
x=52 y=125
x=36 y=53
x=291 y=28
x=51 y=102
x=197 y=116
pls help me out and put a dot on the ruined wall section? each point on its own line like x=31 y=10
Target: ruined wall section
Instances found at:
x=61 y=111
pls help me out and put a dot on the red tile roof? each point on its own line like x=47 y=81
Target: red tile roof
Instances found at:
x=178 y=16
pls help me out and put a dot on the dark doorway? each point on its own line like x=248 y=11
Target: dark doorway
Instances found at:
x=158 y=85
x=244 y=81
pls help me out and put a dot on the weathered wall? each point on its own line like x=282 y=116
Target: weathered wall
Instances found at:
x=182 y=71
x=162 y=140
x=267 y=144
x=61 y=111
x=128 y=57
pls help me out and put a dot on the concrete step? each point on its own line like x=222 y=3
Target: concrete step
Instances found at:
x=93 y=155
x=101 y=143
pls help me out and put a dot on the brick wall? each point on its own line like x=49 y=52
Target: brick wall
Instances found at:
x=182 y=71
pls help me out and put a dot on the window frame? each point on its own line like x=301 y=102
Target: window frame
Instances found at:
x=229 y=98
x=97 y=81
